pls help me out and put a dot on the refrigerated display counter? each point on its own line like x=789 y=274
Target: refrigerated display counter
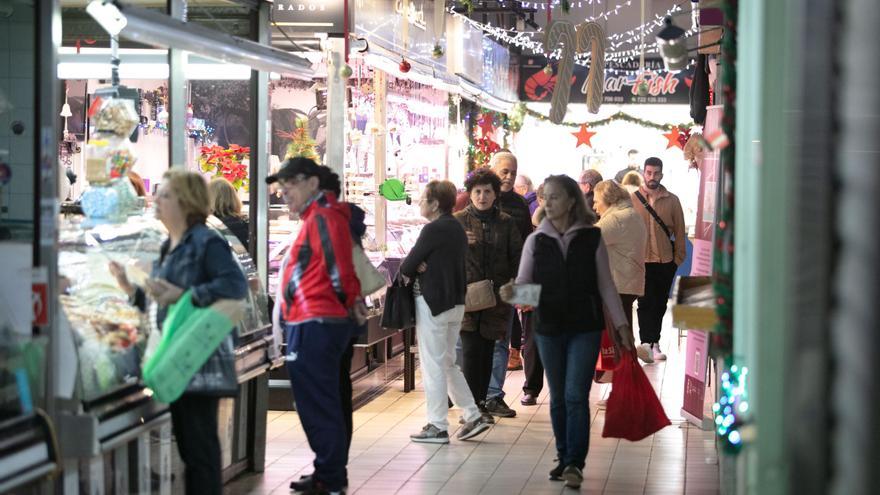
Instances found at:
x=112 y=428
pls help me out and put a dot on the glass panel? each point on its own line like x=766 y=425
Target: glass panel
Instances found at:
x=22 y=357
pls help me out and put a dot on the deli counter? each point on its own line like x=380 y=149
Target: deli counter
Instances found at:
x=115 y=437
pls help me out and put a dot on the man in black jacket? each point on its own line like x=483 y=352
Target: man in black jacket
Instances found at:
x=504 y=165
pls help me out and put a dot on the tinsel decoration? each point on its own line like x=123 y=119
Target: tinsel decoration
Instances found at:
x=723 y=255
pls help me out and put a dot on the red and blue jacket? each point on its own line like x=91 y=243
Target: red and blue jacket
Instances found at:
x=319 y=281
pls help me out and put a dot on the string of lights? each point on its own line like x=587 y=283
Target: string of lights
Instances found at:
x=526 y=41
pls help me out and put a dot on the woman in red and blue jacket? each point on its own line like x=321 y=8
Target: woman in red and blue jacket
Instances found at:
x=321 y=307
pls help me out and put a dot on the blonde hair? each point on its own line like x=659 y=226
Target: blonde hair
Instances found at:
x=632 y=178
x=224 y=198
x=192 y=194
x=612 y=193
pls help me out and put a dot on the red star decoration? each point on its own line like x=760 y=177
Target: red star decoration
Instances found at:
x=672 y=137
x=583 y=136
x=486 y=125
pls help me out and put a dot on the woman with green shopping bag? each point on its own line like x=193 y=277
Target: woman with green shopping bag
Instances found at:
x=195 y=269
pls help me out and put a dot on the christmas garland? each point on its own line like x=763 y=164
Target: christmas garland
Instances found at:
x=619 y=116
x=724 y=232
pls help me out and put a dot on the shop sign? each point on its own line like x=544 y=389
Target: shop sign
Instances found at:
x=620 y=88
x=310 y=16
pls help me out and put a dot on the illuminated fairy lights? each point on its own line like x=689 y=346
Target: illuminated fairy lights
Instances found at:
x=524 y=40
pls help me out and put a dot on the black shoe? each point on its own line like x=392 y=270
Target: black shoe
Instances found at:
x=319 y=488
x=556 y=473
x=496 y=407
x=304 y=483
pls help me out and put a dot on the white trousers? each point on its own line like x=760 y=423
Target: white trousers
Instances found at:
x=441 y=378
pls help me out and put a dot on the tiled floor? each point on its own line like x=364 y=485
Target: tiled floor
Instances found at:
x=513 y=457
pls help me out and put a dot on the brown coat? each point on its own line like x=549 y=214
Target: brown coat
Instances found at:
x=495 y=256
x=668 y=208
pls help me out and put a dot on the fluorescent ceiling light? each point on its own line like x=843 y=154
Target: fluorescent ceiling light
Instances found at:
x=156 y=29
x=94 y=63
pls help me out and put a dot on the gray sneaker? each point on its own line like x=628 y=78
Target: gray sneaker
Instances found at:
x=486 y=416
x=430 y=434
x=473 y=428
x=573 y=477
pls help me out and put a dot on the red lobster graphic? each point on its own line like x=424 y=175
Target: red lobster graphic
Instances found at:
x=540 y=85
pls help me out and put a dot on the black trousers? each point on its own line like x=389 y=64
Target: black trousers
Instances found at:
x=532 y=366
x=652 y=306
x=477 y=353
x=194 y=420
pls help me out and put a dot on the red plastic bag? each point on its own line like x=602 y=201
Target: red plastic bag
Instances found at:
x=634 y=411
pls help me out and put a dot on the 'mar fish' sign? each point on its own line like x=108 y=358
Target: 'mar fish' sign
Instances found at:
x=588 y=35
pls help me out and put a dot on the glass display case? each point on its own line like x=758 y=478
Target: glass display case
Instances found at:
x=109 y=337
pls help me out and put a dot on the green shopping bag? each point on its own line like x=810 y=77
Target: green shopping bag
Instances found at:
x=190 y=335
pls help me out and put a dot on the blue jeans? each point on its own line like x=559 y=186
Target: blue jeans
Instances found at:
x=569 y=362
x=499 y=363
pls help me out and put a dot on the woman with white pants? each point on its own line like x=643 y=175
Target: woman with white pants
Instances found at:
x=437 y=263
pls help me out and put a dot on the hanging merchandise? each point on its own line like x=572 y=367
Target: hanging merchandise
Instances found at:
x=583 y=136
x=404 y=66
x=693 y=150
x=108 y=160
x=699 y=94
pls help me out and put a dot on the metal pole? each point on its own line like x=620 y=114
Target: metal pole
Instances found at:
x=47 y=34
x=177 y=93
x=336 y=107
x=259 y=158
x=380 y=88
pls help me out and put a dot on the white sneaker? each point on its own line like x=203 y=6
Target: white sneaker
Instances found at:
x=644 y=353
x=658 y=355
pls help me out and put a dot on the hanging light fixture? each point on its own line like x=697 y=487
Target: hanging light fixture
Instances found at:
x=673 y=46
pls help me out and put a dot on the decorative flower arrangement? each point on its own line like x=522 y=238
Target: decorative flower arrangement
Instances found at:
x=226 y=163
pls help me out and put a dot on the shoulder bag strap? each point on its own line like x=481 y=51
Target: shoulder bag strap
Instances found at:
x=657 y=218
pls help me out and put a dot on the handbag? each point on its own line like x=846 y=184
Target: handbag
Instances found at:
x=370 y=278
x=399 y=312
x=480 y=295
